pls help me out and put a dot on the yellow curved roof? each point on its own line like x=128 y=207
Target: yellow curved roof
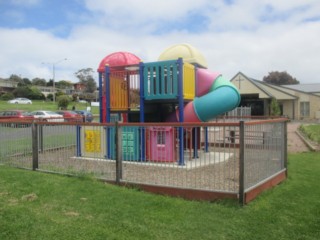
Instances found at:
x=189 y=54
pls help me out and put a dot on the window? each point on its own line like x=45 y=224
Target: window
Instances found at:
x=304 y=109
x=161 y=138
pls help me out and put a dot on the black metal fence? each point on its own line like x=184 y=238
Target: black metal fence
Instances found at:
x=221 y=157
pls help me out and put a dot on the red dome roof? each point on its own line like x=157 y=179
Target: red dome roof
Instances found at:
x=118 y=59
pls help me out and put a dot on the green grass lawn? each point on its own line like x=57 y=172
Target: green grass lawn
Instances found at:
x=43 y=105
x=35 y=205
x=312 y=131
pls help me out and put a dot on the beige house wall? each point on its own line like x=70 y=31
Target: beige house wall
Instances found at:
x=288 y=107
x=314 y=107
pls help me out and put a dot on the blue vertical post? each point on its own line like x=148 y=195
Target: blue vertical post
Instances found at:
x=107 y=76
x=108 y=110
x=100 y=96
x=141 y=72
x=106 y=141
x=181 y=106
x=206 y=139
x=143 y=140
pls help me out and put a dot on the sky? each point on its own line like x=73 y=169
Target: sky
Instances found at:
x=253 y=37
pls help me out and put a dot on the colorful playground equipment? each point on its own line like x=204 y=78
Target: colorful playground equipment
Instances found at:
x=176 y=88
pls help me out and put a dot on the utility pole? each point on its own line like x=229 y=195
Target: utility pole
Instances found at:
x=53 y=75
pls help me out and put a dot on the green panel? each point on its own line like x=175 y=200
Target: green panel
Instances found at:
x=221 y=82
x=124 y=136
x=130 y=144
x=161 y=80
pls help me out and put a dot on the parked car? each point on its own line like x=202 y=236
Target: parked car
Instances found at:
x=70 y=116
x=87 y=116
x=47 y=116
x=16 y=116
x=20 y=101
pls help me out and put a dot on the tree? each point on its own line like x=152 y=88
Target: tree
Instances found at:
x=274 y=108
x=280 y=78
x=25 y=82
x=39 y=82
x=15 y=78
x=35 y=93
x=31 y=92
x=50 y=83
x=23 y=91
x=63 y=84
x=85 y=76
x=91 y=86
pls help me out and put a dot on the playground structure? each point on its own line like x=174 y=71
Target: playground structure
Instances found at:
x=156 y=132
x=177 y=88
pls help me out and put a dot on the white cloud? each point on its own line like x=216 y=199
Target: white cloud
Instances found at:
x=235 y=39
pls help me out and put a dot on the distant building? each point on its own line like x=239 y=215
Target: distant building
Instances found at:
x=45 y=90
x=49 y=90
x=79 y=87
x=7 y=86
x=296 y=101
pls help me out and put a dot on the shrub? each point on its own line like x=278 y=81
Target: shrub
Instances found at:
x=63 y=101
x=50 y=97
x=7 y=96
x=275 y=108
x=312 y=131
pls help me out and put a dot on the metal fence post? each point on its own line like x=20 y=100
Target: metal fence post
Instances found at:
x=35 y=147
x=241 y=165
x=78 y=139
x=118 y=149
x=285 y=147
x=40 y=127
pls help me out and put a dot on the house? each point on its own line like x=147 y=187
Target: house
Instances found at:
x=7 y=86
x=79 y=87
x=295 y=102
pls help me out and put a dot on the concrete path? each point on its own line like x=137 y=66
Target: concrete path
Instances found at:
x=295 y=143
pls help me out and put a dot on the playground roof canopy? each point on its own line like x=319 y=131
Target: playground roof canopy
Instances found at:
x=185 y=51
x=118 y=59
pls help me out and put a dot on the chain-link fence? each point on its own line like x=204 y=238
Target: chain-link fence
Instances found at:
x=223 y=157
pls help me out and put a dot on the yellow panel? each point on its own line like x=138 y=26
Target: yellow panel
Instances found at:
x=93 y=141
x=189 y=81
x=118 y=94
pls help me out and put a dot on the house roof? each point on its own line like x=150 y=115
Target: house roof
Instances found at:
x=274 y=87
x=281 y=92
x=309 y=87
x=266 y=90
